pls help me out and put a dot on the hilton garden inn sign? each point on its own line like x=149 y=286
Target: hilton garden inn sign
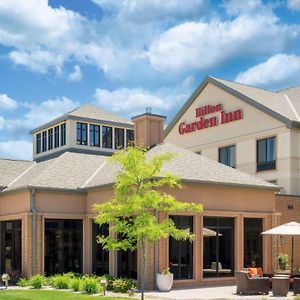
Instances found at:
x=206 y=120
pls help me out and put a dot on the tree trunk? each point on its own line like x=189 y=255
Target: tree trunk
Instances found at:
x=143 y=242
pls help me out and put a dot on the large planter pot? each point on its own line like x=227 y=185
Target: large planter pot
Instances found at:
x=164 y=282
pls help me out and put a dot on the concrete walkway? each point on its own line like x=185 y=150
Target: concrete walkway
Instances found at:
x=221 y=292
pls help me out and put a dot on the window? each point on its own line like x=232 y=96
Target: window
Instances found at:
x=38 y=143
x=129 y=137
x=63 y=246
x=81 y=134
x=227 y=156
x=44 y=141
x=100 y=256
x=10 y=246
x=63 y=134
x=119 y=138
x=106 y=137
x=56 y=136
x=50 y=138
x=94 y=135
x=253 y=242
x=218 y=247
x=181 y=252
x=266 y=154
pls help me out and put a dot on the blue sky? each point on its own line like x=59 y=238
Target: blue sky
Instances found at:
x=125 y=55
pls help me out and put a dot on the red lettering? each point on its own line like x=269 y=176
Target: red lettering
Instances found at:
x=181 y=128
x=213 y=121
x=206 y=122
x=238 y=115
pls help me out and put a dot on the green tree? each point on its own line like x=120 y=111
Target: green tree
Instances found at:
x=137 y=195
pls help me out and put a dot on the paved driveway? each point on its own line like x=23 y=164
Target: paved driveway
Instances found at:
x=222 y=292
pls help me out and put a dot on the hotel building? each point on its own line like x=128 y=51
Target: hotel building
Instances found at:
x=46 y=216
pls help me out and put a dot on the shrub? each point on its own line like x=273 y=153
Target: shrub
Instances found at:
x=75 y=284
x=61 y=282
x=110 y=279
x=23 y=282
x=14 y=276
x=37 y=281
x=123 y=285
x=90 y=285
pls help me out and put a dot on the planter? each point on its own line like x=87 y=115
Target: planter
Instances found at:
x=164 y=282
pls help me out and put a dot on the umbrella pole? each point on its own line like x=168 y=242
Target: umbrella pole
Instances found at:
x=292 y=262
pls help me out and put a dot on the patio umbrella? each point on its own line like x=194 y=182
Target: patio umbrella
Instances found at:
x=209 y=232
x=292 y=229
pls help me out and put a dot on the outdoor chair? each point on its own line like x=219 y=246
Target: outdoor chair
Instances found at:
x=254 y=286
x=296 y=285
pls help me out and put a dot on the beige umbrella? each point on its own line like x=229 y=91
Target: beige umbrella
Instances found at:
x=292 y=229
x=209 y=232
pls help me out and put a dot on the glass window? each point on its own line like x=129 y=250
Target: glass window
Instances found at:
x=10 y=246
x=63 y=246
x=38 y=143
x=94 y=135
x=44 y=141
x=129 y=137
x=56 y=136
x=100 y=256
x=253 y=242
x=227 y=156
x=119 y=138
x=266 y=154
x=106 y=137
x=50 y=138
x=81 y=133
x=181 y=252
x=63 y=134
x=218 y=247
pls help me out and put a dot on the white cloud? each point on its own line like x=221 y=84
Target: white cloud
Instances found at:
x=76 y=75
x=293 y=4
x=2 y=122
x=201 y=45
x=41 y=113
x=236 y=7
x=278 y=69
x=7 y=103
x=16 y=149
x=145 y=11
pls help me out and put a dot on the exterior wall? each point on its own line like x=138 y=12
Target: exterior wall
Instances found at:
x=288 y=207
x=243 y=134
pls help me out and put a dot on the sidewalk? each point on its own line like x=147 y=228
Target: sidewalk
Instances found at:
x=220 y=292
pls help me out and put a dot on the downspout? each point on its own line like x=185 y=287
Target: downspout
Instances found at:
x=34 y=233
x=155 y=254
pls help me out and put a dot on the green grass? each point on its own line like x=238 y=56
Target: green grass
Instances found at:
x=47 y=295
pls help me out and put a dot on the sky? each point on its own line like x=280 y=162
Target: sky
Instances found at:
x=126 y=55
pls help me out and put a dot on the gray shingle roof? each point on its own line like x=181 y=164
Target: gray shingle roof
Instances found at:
x=283 y=105
x=86 y=112
x=76 y=171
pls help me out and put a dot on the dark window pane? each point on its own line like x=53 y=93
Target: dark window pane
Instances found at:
x=44 y=141
x=50 y=139
x=253 y=242
x=181 y=252
x=38 y=143
x=227 y=156
x=266 y=159
x=218 y=247
x=63 y=246
x=10 y=246
x=119 y=138
x=63 y=134
x=129 y=137
x=100 y=256
x=56 y=136
x=94 y=135
x=106 y=137
x=81 y=133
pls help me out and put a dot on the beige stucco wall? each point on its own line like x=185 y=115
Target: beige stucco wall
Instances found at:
x=14 y=203
x=243 y=134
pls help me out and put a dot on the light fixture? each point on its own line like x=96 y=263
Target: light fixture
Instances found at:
x=5 y=278
x=104 y=283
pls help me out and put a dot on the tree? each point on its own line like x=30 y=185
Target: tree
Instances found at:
x=131 y=212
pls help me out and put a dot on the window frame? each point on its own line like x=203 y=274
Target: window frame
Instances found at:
x=79 y=139
x=38 y=143
x=44 y=141
x=50 y=138
x=93 y=134
x=56 y=136
x=117 y=131
x=228 y=155
x=105 y=138
x=131 y=131
x=63 y=138
x=267 y=165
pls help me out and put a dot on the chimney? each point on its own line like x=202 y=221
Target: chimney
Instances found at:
x=148 y=129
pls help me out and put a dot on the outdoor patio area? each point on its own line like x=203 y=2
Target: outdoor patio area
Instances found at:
x=220 y=292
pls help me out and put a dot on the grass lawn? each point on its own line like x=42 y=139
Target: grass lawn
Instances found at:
x=47 y=295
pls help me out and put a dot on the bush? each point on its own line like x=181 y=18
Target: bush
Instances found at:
x=37 y=281
x=110 y=279
x=61 y=282
x=23 y=282
x=14 y=276
x=75 y=284
x=123 y=285
x=90 y=285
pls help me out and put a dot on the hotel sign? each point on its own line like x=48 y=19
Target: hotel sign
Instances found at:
x=204 y=121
